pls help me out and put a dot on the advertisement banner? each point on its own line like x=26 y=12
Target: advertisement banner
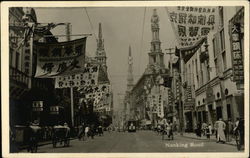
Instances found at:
x=54 y=59
x=88 y=76
x=189 y=100
x=192 y=23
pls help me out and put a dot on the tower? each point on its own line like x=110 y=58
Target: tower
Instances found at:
x=100 y=52
x=155 y=54
x=130 y=78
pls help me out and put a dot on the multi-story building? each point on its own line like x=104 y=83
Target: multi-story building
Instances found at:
x=149 y=83
x=211 y=76
x=24 y=88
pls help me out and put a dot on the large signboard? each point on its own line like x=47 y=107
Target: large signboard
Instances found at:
x=54 y=59
x=192 y=23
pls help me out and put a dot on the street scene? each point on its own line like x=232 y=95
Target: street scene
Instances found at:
x=126 y=79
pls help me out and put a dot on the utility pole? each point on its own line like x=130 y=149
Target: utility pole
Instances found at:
x=170 y=60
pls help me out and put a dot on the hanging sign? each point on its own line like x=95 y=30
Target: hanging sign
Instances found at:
x=54 y=59
x=160 y=111
x=88 y=76
x=37 y=106
x=189 y=100
x=54 y=109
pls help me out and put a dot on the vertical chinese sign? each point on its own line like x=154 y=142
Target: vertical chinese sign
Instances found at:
x=237 y=55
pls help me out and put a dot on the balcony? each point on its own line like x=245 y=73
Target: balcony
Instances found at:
x=19 y=82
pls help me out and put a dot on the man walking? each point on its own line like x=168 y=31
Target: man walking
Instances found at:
x=220 y=126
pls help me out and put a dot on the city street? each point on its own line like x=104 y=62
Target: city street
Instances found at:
x=141 y=141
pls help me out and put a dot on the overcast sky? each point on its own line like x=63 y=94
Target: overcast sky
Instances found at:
x=121 y=27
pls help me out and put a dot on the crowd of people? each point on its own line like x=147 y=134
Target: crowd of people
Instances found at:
x=224 y=131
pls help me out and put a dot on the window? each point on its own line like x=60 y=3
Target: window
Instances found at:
x=216 y=66
x=154 y=58
x=224 y=60
x=214 y=48
x=17 y=60
x=229 y=114
x=221 y=17
x=11 y=56
x=222 y=40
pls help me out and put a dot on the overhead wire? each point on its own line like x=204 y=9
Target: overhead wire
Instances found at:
x=91 y=25
x=143 y=23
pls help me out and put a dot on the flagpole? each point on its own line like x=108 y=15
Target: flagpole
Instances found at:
x=72 y=106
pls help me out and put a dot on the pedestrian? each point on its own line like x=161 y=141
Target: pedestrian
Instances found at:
x=86 y=131
x=81 y=132
x=209 y=131
x=33 y=134
x=204 y=126
x=198 y=130
x=221 y=126
x=229 y=130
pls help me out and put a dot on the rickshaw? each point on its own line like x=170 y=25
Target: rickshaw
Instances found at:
x=168 y=131
x=61 y=134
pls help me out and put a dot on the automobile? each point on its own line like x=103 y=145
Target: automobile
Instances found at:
x=131 y=126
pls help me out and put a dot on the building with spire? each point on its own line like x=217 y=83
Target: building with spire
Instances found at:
x=130 y=78
x=100 y=51
x=149 y=84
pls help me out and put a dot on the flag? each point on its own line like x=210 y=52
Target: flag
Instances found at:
x=60 y=59
x=191 y=25
x=41 y=29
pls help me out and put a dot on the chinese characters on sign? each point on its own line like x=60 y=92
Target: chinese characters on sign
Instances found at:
x=191 y=24
x=237 y=56
x=189 y=100
x=56 y=58
x=88 y=76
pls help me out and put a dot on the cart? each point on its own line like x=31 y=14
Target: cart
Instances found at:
x=61 y=135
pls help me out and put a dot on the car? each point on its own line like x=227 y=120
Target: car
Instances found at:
x=131 y=126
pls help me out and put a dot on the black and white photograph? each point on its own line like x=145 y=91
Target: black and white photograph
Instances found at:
x=108 y=78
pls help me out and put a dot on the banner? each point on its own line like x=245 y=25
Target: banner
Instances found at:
x=191 y=24
x=88 y=76
x=54 y=59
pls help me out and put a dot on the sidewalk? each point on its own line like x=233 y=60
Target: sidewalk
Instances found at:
x=212 y=138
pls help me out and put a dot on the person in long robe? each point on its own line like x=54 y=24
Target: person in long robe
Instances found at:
x=220 y=126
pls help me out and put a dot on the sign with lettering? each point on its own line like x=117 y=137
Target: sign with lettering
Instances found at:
x=37 y=105
x=237 y=56
x=54 y=59
x=189 y=100
x=88 y=76
x=160 y=111
x=192 y=23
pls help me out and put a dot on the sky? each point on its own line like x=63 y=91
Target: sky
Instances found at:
x=121 y=27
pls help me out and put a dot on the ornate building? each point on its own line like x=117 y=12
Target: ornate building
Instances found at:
x=149 y=83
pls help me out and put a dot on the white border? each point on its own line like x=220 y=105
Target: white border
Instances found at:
x=5 y=73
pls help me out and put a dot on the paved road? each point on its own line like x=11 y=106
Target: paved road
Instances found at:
x=141 y=141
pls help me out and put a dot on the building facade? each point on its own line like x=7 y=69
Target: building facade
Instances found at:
x=218 y=88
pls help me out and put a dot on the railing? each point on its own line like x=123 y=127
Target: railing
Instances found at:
x=19 y=77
